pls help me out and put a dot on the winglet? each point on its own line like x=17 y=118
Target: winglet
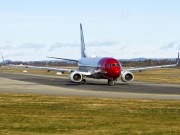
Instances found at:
x=2 y=57
x=178 y=59
x=63 y=59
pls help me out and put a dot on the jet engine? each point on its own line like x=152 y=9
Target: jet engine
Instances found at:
x=127 y=76
x=76 y=77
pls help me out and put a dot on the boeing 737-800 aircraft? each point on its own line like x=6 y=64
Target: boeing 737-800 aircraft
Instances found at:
x=99 y=67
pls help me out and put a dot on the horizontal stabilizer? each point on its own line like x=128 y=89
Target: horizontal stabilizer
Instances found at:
x=43 y=68
x=63 y=59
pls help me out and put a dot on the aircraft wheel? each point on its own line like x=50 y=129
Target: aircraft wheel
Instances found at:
x=83 y=81
x=111 y=82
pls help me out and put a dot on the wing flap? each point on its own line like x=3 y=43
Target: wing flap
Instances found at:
x=63 y=59
x=152 y=67
x=44 y=68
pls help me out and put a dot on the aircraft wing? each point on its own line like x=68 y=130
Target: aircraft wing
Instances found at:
x=148 y=68
x=53 y=69
x=153 y=67
x=44 y=68
x=63 y=59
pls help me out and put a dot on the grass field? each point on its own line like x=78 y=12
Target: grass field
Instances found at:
x=35 y=114
x=159 y=75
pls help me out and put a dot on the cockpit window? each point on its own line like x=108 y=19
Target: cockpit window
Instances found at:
x=113 y=65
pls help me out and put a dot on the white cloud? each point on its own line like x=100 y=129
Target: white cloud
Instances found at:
x=59 y=45
x=171 y=47
x=103 y=43
x=123 y=15
x=178 y=47
x=18 y=54
x=4 y=47
x=34 y=46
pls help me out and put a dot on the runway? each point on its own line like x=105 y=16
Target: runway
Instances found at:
x=61 y=85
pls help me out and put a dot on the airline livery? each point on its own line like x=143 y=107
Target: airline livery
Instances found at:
x=99 y=67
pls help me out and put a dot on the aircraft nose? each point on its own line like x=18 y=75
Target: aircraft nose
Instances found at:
x=114 y=73
x=117 y=73
x=111 y=68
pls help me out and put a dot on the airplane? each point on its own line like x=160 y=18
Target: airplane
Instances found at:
x=99 y=67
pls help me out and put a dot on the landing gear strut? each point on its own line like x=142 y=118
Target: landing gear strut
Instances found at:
x=83 y=81
x=111 y=82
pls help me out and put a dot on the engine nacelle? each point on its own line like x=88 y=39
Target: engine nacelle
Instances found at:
x=76 y=77
x=127 y=76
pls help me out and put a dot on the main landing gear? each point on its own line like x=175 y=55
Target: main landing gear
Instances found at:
x=83 y=81
x=111 y=82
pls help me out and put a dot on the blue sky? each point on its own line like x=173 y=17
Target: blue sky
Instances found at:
x=34 y=29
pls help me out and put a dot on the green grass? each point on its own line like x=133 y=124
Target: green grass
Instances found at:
x=37 y=114
x=34 y=71
x=20 y=70
x=159 y=75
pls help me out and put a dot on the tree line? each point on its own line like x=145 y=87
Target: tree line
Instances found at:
x=149 y=62
x=124 y=63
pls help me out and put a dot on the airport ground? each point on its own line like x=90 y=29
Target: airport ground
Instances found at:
x=27 y=106
x=164 y=75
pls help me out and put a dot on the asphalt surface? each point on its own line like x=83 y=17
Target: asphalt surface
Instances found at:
x=61 y=85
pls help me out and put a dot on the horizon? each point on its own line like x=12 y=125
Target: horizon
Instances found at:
x=131 y=59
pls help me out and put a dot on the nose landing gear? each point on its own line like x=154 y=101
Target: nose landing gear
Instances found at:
x=111 y=82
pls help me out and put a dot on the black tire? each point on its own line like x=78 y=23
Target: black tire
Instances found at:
x=83 y=81
x=111 y=83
